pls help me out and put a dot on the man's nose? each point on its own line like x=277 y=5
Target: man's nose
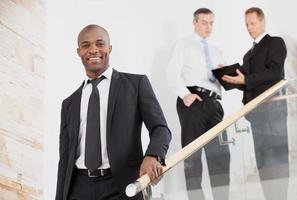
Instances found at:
x=94 y=49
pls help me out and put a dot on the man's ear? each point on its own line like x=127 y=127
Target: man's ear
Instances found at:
x=110 y=48
x=194 y=21
x=77 y=51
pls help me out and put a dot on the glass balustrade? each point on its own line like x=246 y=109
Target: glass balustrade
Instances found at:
x=262 y=164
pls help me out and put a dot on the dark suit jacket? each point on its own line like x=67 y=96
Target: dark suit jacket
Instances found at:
x=131 y=102
x=264 y=66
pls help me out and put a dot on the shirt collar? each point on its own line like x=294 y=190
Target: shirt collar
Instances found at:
x=198 y=37
x=260 y=37
x=107 y=73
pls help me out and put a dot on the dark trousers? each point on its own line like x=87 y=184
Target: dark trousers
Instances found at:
x=93 y=188
x=196 y=120
x=269 y=127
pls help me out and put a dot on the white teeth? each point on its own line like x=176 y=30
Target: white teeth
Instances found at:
x=95 y=58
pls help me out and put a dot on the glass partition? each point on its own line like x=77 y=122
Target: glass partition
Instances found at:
x=262 y=164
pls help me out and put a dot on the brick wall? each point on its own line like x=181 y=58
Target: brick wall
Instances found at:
x=22 y=73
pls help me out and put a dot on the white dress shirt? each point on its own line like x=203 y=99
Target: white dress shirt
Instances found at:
x=260 y=37
x=103 y=88
x=187 y=65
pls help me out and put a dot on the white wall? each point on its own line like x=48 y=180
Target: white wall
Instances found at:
x=142 y=34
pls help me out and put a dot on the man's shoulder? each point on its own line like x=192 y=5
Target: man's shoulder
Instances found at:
x=131 y=75
x=277 y=39
x=73 y=95
x=132 y=78
x=274 y=42
x=274 y=39
x=128 y=75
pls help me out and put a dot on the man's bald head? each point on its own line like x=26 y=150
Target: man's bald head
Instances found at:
x=94 y=49
x=92 y=27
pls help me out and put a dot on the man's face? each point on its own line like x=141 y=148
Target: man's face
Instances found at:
x=94 y=50
x=203 y=24
x=254 y=25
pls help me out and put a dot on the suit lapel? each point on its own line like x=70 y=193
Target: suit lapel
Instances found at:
x=75 y=109
x=114 y=89
x=258 y=46
x=249 y=55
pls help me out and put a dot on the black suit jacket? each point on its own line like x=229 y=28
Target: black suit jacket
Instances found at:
x=131 y=102
x=264 y=66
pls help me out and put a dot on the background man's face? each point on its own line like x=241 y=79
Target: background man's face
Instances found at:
x=203 y=24
x=254 y=25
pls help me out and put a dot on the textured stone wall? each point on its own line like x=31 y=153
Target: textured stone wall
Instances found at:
x=22 y=74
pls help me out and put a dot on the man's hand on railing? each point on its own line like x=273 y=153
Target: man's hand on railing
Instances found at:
x=151 y=167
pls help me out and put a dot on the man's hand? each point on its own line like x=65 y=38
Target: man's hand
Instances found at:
x=151 y=167
x=190 y=98
x=220 y=66
x=239 y=79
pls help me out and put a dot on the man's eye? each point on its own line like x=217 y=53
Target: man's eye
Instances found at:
x=100 y=44
x=84 y=46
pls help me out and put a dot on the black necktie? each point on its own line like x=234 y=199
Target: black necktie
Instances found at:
x=253 y=47
x=93 y=158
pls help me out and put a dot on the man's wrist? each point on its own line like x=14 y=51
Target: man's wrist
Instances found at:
x=159 y=159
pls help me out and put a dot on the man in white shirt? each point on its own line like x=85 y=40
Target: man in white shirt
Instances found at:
x=198 y=106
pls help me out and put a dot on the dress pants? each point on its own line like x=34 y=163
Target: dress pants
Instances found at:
x=196 y=120
x=269 y=128
x=93 y=188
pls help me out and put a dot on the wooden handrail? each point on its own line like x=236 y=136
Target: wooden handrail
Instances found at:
x=144 y=181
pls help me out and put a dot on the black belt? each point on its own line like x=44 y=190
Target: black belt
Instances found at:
x=210 y=93
x=97 y=173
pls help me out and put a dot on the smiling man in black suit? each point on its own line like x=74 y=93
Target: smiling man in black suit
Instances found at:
x=100 y=135
x=264 y=66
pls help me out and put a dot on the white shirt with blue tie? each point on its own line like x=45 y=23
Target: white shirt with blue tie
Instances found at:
x=187 y=65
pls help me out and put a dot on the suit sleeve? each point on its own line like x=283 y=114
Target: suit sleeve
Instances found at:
x=154 y=120
x=63 y=153
x=273 y=66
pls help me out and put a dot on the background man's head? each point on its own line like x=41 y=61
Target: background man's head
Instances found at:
x=94 y=49
x=255 y=21
x=203 y=22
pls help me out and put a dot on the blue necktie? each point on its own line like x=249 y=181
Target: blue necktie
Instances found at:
x=208 y=61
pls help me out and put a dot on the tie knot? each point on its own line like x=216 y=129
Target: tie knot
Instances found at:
x=96 y=81
x=204 y=41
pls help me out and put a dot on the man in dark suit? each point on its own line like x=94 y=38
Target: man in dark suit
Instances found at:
x=105 y=115
x=264 y=66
